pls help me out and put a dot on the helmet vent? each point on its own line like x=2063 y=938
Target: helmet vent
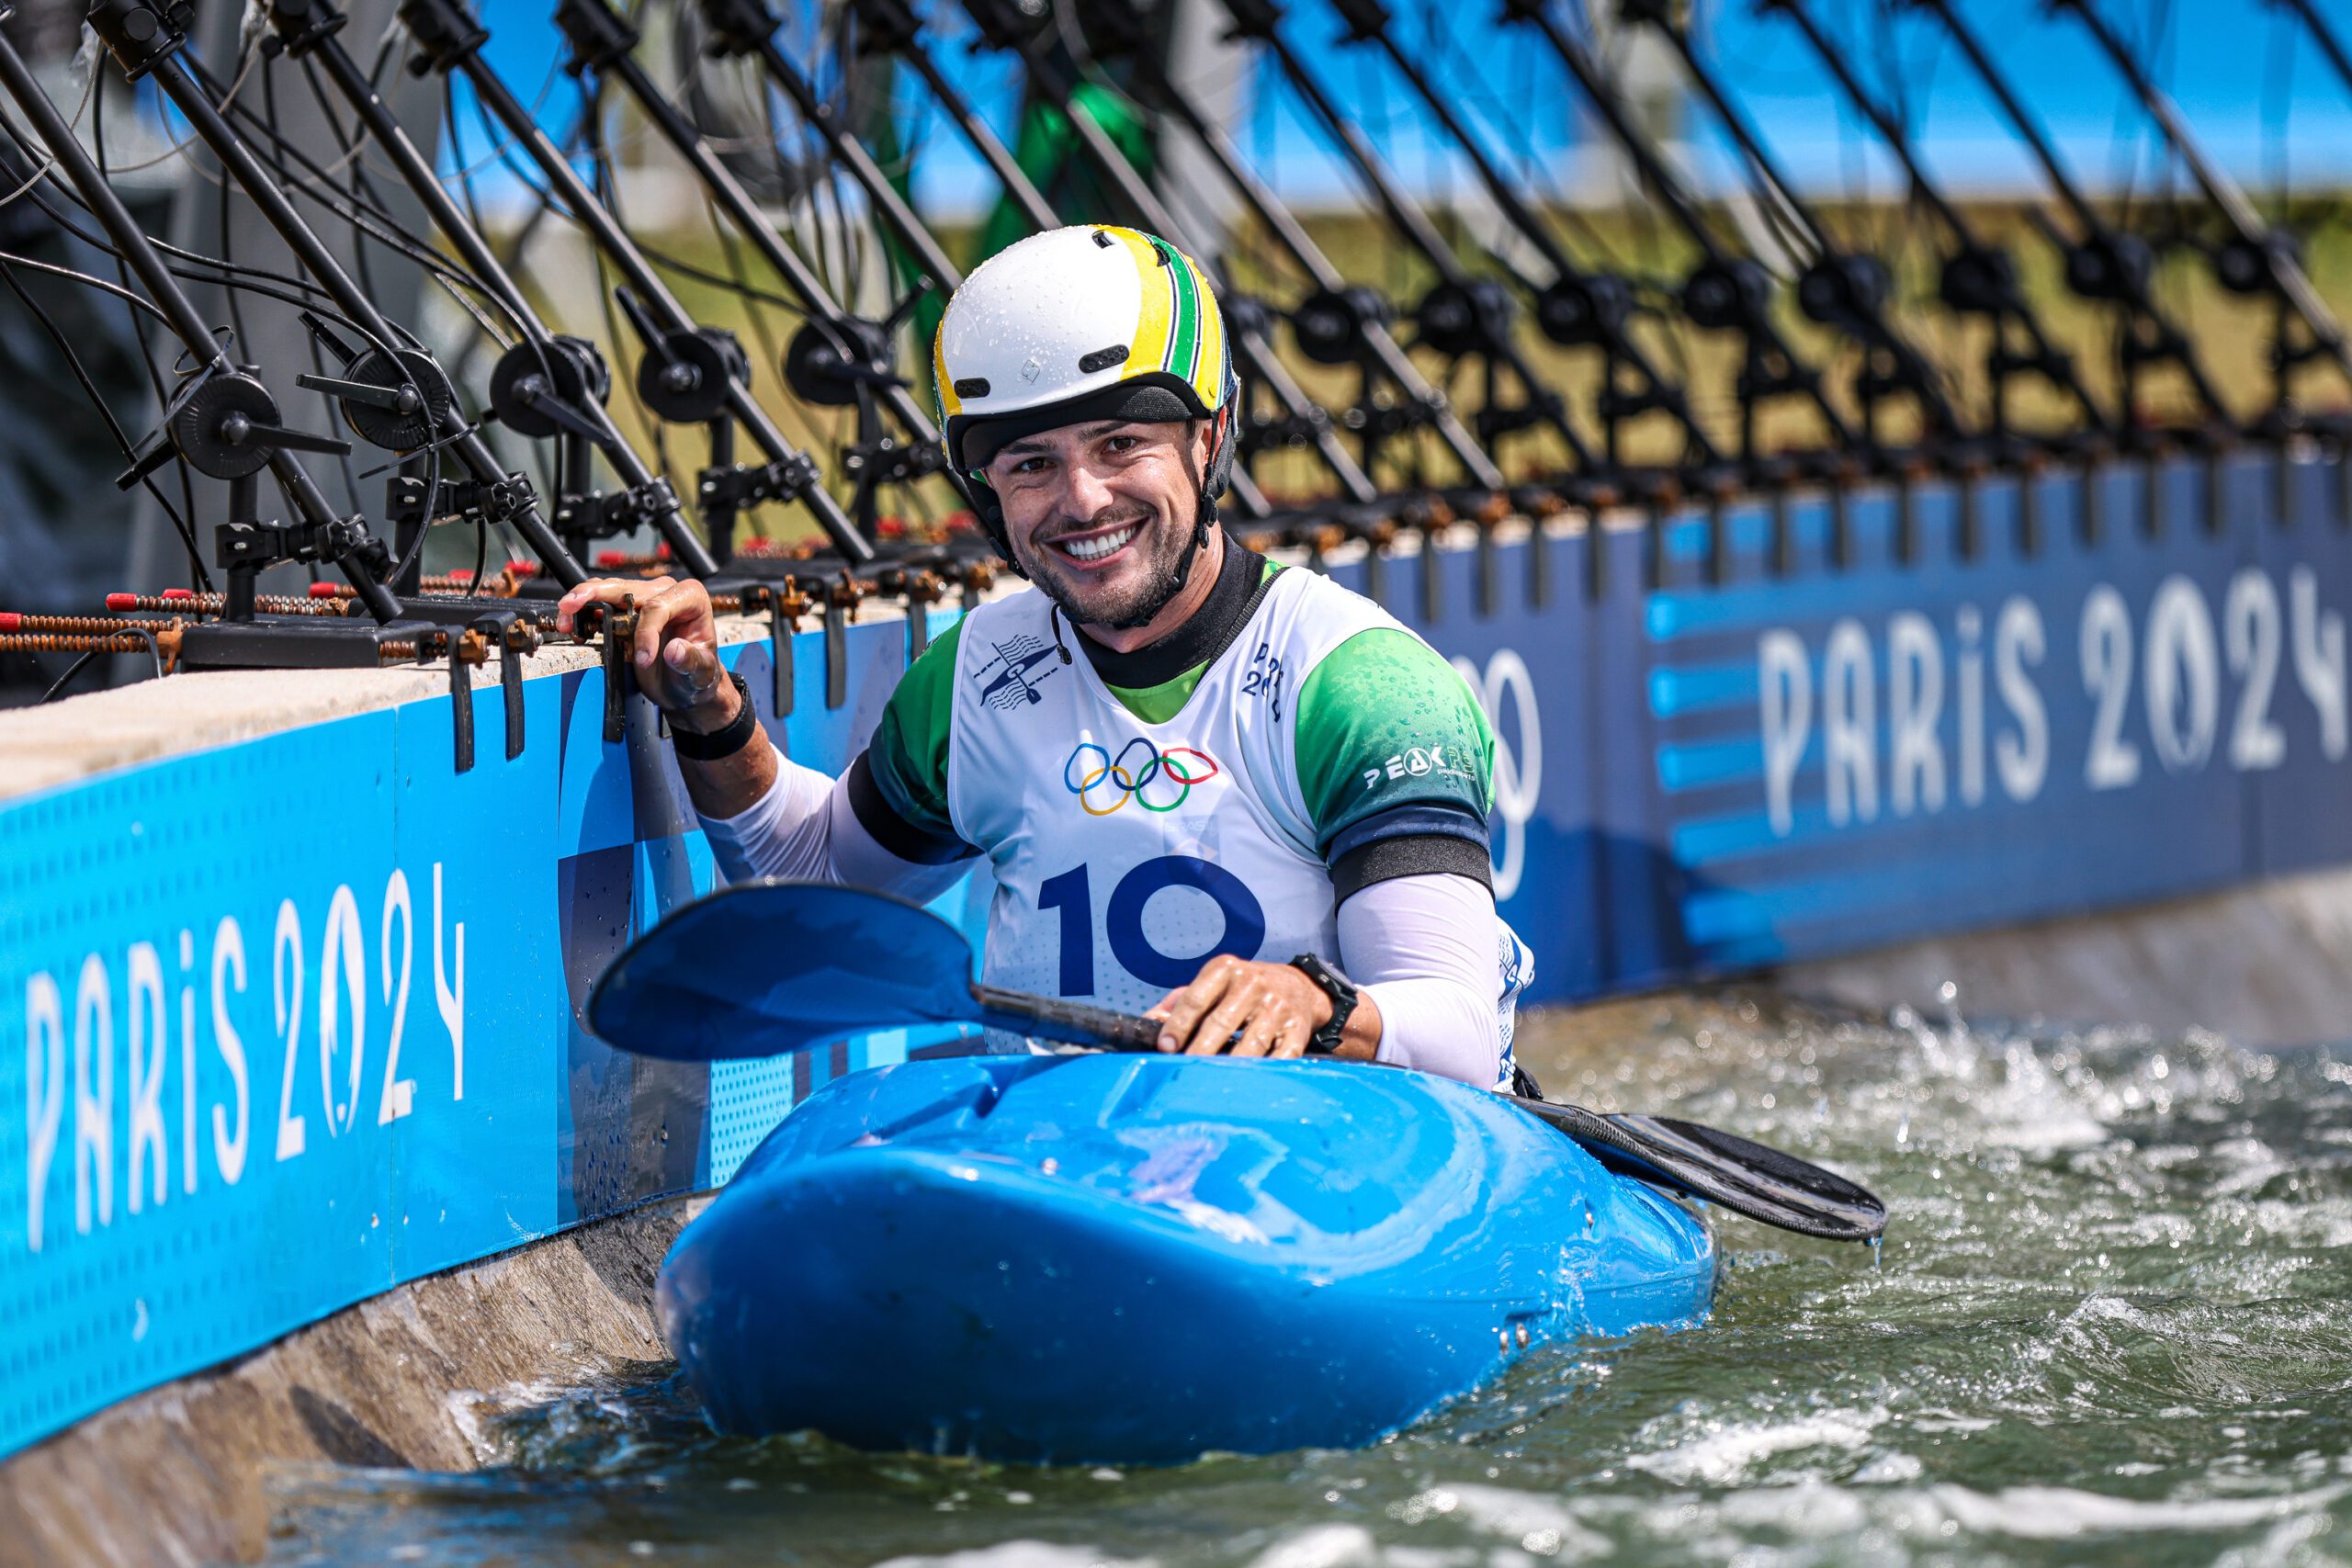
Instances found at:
x=1103 y=359
x=972 y=387
x=1103 y=240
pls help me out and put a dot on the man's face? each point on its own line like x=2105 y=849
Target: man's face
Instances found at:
x=1100 y=516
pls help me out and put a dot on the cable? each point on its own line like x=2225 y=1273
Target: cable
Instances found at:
x=180 y=525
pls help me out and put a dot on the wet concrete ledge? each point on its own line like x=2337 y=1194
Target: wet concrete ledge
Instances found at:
x=2267 y=964
x=177 y=1474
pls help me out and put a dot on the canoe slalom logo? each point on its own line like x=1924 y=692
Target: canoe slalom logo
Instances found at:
x=1153 y=779
x=1020 y=662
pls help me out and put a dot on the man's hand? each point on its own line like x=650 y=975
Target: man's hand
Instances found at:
x=677 y=652
x=1274 y=1007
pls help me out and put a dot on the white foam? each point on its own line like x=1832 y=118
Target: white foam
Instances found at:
x=2061 y=1513
x=1325 y=1546
x=1810 y=1510
x=1724 y=1457
x=1021 y=1554
x=1537 y=1523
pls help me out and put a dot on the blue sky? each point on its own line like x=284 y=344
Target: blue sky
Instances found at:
x=2253 y=84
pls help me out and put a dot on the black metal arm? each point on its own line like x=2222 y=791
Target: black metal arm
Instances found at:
x=888 y=25
x=2104 y=264
x=1335 y=324
x=345 y=541
x=690 y=371
x=2255 y=259
x=1463 y=317
x=1978 y=278
x=1576 y=307
x=549 y=367
x=839 y=359
x=1842 y=290
x=1724 y=292
x=146 y=41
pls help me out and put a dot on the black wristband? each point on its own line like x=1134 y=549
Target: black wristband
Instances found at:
x=722 y=742
x=1342 y=992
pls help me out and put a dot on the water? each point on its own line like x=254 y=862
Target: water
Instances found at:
x=2112 y=1322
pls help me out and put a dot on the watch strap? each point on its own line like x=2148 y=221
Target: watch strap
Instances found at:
x=724 y=741
x=1325 y=1041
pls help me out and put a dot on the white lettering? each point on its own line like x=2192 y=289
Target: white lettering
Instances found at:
x=93 y=1103
x=1784 y=686
x=228 y=952
x=2251 y=637
x=449 y=999
x=1972 y=705
x=2022 y=758
x=2106 y=651
x=400 y=1093
x=1915 y=702
x=2319 y=659
x=44 y=1094
x=286 y=963
x=148 y=1045
x=342 y=941
x=1850 y=725
x=187 y=1064
x=2184 y=668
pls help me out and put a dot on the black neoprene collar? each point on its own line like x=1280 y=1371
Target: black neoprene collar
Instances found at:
x=1240 y=583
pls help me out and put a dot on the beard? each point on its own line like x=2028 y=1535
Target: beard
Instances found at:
x=1162 y=551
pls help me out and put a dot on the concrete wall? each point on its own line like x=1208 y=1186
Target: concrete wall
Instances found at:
x=2270 y=965
x=177 y=1475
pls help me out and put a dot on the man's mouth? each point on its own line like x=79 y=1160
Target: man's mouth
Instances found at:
x=1088 y=549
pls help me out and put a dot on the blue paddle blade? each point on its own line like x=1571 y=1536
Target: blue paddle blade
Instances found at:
x=771 y=967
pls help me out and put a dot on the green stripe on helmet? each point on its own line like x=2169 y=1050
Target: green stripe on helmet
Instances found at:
x=1185 y=333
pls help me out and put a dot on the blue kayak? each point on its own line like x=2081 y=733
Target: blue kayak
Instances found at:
x=1118 y=1258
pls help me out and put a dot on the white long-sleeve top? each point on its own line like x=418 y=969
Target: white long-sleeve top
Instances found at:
x=1422 y=947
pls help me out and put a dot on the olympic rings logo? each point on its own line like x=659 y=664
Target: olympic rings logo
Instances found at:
x=1091 y=773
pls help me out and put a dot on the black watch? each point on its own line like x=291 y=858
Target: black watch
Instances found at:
x=1342 y=992
x=722 y=742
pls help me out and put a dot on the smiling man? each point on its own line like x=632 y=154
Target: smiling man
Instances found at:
x=1236 y=797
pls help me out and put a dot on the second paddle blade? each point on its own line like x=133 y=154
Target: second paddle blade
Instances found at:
x=772 y=967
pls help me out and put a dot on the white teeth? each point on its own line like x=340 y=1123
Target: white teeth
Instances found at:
x=1096 y=548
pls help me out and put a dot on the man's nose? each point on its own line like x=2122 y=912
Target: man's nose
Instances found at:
x=1084 y=492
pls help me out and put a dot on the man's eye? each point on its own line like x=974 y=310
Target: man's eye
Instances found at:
x=1030 y=466
x=1123 y=443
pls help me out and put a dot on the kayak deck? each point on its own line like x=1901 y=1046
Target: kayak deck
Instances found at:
x=1138 y=1259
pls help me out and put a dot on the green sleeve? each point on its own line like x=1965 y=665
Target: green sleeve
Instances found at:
x=907 y=756
x=1386 y=723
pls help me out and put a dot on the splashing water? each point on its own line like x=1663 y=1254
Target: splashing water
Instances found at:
x=2112 y=1322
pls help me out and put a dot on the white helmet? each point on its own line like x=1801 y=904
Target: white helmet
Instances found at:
x=1081 y=323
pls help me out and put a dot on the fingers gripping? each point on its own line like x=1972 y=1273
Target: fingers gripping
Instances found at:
x=674 y=650
x=1186 y=1008
x=1239 y=1008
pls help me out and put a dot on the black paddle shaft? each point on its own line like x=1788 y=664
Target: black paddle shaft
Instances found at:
x=1073 y=1023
